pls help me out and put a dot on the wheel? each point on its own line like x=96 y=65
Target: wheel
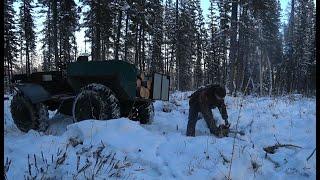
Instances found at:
x=95 y=101
x=28 y=116
x=145 y=113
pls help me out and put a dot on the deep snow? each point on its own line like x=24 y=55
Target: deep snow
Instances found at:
x=125 y=149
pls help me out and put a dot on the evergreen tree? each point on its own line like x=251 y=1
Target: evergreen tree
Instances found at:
x=157 y=37
x=224 y=10
x=169 y=23
x=28 y=34
x=98 y=21
x=185 y=44
x=233 y=61
x=200 y=35
x=47 y=40
x=68 y=24
x=212 y=65
x=10 y=39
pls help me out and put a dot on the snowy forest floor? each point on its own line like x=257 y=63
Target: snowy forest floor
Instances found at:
x=128 y=150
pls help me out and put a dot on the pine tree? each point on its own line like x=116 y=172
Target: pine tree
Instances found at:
x=224 y=10
x=169 y=23
x=185 y=44
x=28 y=34
x=233 y=61
x=212 y=63
x=156 y=23
x=299 y=46
x=289 y=62
x=55 y=20
x=119 y=8
x=47 y=40
x=98 y=21
x=200 y=35
x=68 y=24
x=10 y=39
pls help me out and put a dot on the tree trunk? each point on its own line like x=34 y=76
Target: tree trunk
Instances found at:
x=126 y=39
x=118 y=35
x=139 y=48
x=270 y=76
x=260 y=72
x=55 y=32
x=142 y=54
x=233 y=46
x=98 y=34
x=136 y=58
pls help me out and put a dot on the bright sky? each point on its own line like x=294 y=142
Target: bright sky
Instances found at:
x=80 y=35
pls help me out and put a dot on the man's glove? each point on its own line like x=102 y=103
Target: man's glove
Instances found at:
x=225 y=117
x=226 y=123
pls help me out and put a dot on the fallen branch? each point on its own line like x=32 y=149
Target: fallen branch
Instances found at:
x=141 y=169
x=272 y=149
x=311 y=154
x=276 y=164
x=237 y=132
x=88 y=164
x=250 y=125
x=61 y=159
x=225 y=160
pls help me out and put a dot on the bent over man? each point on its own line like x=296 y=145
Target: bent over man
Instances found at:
x=203 y=100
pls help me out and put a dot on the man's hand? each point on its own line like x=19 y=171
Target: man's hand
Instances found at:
x=224 y=116
x=227 y=123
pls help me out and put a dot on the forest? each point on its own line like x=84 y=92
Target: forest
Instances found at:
x=102 y=120
x=241 y=44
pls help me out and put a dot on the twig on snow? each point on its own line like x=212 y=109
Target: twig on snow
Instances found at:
x=225 y=160
x=311 y=154
x=234 y=139
x=61 y=159
x=276 y=164
x=272 y=149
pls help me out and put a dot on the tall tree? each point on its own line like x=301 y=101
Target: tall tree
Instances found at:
x=47 y=40
x=200 y=43
x=55 y=32
x=169 y=27
x=224 y=10
x=98 y=20
x=28 y=34
x=233 y=46
x=212 y=65
x=68 y=24
x=157 y=37
x=186 y=43
x=10 y=38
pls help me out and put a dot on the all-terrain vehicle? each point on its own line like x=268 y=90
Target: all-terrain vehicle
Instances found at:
x=99 y=90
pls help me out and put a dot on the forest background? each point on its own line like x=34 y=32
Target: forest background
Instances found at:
x=263 y=47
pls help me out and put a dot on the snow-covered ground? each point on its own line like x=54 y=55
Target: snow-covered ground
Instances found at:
x=125 y=149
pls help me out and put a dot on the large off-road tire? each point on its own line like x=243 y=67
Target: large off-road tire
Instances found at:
x=145 y=113
x=95 y=101
x=28 y=116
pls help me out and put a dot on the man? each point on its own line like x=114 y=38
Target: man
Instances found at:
x=203 y=100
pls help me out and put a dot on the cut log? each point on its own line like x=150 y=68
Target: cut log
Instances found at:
x=142 y=76
x=149 y=82
x=138 y=82
x=144 y=92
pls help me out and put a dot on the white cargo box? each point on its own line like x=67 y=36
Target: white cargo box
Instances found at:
x=161 y=85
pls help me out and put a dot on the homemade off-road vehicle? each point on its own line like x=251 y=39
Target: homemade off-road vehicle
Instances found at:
x=87 y=90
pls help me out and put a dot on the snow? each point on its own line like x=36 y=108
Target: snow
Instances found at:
x=162 y=151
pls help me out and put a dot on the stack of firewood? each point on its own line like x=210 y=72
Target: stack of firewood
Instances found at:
x=143 y=86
